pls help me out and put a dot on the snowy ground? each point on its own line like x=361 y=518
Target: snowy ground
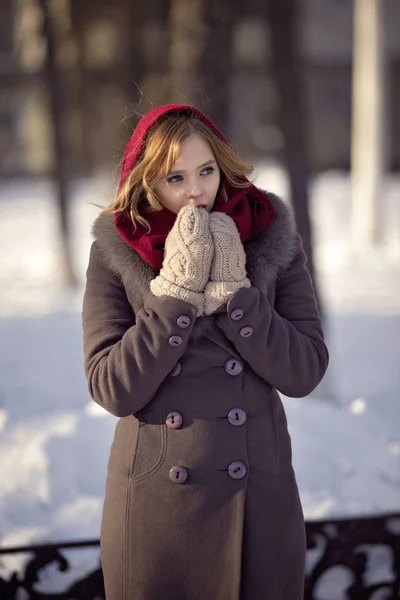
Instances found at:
x=54 y=441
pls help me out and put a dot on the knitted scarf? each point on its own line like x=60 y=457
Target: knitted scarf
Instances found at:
x=250 y=208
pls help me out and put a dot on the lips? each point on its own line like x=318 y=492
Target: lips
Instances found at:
x=201 y=206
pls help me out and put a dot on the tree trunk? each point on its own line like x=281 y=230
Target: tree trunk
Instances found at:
x=132 y=68
x=186 y=25
x=288 y=74
x=57 y=110
x=86 y=114
x=216 y=61
x=368 y=136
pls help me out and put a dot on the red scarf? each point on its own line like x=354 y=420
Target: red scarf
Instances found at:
x=251 y=209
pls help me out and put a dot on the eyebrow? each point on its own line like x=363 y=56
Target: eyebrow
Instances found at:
x=206 y=164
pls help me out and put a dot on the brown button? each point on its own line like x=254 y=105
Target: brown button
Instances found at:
x=176 y=370
x=178 y=474
x=183 y=322
x=233 y=366
x=175 y=340
x=246 y=332
x=236 y=417
x=174 y=420
x=237 y=314
x=237 y=470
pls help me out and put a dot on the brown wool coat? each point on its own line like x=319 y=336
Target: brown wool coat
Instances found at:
x=212 y=537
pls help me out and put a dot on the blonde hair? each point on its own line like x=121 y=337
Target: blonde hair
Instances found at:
x=161 y=150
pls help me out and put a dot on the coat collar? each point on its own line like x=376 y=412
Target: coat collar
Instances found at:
x=267 y=254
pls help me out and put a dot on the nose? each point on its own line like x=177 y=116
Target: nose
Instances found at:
x=193 y=193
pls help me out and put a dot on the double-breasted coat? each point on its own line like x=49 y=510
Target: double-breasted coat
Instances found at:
x=201 y=500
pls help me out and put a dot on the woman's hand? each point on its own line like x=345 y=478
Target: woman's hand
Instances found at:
x=189 y=250
x=228 y=271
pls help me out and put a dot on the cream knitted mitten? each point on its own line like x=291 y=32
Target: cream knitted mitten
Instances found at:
x=189 y=251
x=228 y=271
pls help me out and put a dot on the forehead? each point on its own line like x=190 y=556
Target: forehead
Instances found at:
x=194 y=148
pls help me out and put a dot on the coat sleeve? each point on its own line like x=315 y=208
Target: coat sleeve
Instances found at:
x=128 y=356
x=285 y=344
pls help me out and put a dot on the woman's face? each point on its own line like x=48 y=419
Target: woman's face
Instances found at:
x=194 y=177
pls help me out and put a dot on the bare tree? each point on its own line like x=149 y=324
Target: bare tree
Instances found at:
x=57 y=100
x=292 y=114
x=369 y=135
x=217 y=58
x=115 y=72
x=186 y=26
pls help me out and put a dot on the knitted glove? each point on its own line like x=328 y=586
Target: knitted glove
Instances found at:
x=228 y=271
x=189 y=250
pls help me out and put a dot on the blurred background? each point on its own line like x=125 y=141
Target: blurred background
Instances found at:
x=306 y=90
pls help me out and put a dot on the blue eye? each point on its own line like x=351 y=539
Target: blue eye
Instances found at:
x=179 y=178
x=174 y=179
x=207 y=171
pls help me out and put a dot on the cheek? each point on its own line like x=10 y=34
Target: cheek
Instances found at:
x=213 y=186
x=171 y=198
x=176 y=197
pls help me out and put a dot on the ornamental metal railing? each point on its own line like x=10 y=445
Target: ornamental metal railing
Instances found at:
x=363 y=553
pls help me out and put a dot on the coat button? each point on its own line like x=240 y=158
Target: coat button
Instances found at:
x=183 y=322
x=178 y=474
x=237 y=417
x=237 y=470
x=233 y=366
x=176 y=370
x=237 y=314
x=174 y=420
x=175 y=340
x=246 y=332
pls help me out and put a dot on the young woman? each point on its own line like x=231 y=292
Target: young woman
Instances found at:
x=198 y=308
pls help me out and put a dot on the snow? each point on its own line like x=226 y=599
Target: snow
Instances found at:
x=55 y=441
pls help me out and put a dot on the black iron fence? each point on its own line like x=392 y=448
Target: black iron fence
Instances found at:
x=348 y=544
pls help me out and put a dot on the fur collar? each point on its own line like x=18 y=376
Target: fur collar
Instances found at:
x=267 y=254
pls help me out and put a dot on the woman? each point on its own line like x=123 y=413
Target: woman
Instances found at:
x=198 y=308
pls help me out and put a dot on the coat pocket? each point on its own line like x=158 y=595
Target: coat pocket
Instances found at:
x=150 y=450
x=264 y=439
